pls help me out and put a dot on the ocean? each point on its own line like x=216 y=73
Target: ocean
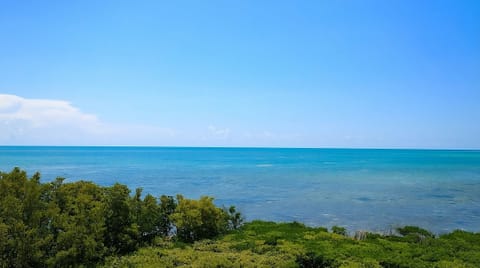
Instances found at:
x=360 y=189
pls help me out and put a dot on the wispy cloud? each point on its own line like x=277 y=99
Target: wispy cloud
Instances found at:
x=25 y=121
x=219 y=133
x=39 y=112
x=57 y=122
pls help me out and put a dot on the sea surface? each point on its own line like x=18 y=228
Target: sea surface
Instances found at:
x=360 y=189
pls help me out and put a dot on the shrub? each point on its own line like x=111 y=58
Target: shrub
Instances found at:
x=198 y=219
x=312 y=260
x=414 y=233
x=235 y=219
x=406 y=230
x=339 y=230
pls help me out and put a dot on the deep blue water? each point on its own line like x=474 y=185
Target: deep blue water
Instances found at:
x=359 y=189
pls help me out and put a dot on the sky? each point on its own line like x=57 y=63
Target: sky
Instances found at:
x=353 y=74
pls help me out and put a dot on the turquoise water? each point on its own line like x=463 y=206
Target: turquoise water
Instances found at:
x=360 y=189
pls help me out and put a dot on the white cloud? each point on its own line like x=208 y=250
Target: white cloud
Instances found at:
x=221 y=133
x=57 y=122
x=39 y=113
x=25 y=121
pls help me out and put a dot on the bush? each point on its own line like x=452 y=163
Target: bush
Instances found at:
x=312 y=260
x=339 y=230
x=235 y=219
x=199 y=219
x=414 y=233
x=70 y=224
x=406 y=230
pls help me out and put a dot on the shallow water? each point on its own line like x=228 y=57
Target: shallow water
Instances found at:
x=356 y=188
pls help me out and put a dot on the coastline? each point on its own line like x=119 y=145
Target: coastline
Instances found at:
x=365 y=189
x=81 y=223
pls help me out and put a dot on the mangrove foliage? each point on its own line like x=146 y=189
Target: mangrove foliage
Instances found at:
x=82 y=224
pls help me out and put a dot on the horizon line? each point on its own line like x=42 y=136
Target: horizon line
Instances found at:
x=255 y=147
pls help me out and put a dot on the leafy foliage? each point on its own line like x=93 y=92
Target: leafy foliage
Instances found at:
x=60 y=224
x=339 y=230
x=199 y=219
x=168 y=205
x=269 y=244
x=313 y=260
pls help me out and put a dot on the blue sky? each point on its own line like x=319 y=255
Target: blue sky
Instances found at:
x=383 y=74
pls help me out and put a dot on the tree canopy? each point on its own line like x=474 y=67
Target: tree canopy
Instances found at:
x=60 y=224
x=72 y=224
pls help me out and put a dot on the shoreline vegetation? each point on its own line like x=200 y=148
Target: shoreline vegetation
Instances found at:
x=82 y=224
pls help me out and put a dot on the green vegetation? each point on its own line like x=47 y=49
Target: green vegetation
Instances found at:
x=269 y=244
x=60 y=224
